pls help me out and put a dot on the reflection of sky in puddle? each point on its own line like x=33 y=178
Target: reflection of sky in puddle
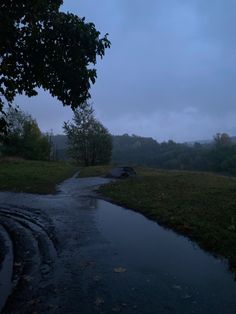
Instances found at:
x=171 y=264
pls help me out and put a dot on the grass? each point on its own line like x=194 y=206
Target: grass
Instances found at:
x=200 y=205
x=94 y=171
x=39 y=177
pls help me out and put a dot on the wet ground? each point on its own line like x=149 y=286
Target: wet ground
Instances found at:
x=74 y=253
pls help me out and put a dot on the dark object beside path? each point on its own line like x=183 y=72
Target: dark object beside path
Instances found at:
x=121 y=172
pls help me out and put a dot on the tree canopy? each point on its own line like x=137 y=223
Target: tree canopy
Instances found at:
x=89 y=141
x=222 y=140
x=42 y=47
x=24 y=138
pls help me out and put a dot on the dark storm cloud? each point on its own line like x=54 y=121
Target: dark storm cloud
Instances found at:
x=171 y=70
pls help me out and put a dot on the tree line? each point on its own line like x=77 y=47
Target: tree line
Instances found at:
x=24 y=138
x=217 y=156
x=88 y=142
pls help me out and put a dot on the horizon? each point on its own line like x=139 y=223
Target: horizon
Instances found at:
x=209 y=139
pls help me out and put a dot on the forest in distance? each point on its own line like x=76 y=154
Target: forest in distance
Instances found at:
x=216 y=155
x=25 y=140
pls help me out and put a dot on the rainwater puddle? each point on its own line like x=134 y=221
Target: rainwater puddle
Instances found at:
x=165 y=272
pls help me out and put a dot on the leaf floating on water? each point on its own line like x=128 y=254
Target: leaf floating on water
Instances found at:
x=186 y=296
x=27 y=278
x=177 y=287
x=85 y=264
x=116 y=309
x=34 y=301
x=97 y=278
x=120 y=270
x=99 y=301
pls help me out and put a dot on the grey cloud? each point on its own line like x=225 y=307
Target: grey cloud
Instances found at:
x=172 y=65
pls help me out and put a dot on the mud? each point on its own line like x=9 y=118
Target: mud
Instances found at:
x=73 y=253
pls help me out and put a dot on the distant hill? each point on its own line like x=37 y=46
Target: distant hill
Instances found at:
x=134 y=150
x=205 y=142
x=126 y=149
x=127 y=141
x=233 y=138
x=145 y=151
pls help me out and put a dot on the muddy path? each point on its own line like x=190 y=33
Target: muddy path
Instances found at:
x=73 y=253
x=40 y=238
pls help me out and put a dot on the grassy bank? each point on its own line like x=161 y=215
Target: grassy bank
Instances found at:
x=94 y=171
x=200 y=205
x=38 y=177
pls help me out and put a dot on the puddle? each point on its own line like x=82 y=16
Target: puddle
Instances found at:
x=165 y=272
x=114 y=260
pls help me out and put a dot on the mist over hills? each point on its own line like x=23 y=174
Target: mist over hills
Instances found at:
x=202 y=142
x=60 y=141
x=145 y=151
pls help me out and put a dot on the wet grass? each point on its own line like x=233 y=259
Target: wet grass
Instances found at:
x=39 y=177
x=200 y=205
x=94 y=171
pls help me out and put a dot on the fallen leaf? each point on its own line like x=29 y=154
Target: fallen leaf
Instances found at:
x=99 y=301
x=116 y=309
x=119 y=270
x=177 y=287
x=27 y=278
x=97 y=278
x=34 y=302
x=86 y=264
x=17 y=264
x=186 y=296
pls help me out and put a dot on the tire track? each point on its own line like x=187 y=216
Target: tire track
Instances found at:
x=34 y=218
x=28 y=247
x=6 y=267
x=45 y=243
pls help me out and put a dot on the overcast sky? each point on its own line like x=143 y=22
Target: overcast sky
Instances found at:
x=170 y=73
